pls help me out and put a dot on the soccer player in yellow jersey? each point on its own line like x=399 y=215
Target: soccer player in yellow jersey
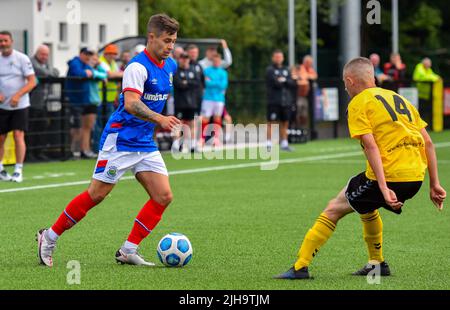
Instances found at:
x=398 y=150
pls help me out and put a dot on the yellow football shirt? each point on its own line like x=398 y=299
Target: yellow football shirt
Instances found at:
x=395 y=125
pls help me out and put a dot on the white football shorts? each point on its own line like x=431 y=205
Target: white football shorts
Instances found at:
x=111 y=165
x=212 y=108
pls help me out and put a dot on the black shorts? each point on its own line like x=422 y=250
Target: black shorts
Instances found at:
x=278 y=113
x=77 y=111
x=365 y=196
x=186 y=114
x=13 y=120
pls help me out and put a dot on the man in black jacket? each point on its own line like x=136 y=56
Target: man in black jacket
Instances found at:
x=280 y=87
x=38 y=110
x=186 y=85
x=193 y=53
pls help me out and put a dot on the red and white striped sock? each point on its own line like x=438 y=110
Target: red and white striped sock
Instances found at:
x=73 y=213
x=146 y=220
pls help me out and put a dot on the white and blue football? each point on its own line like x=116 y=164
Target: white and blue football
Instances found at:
x=174 y=250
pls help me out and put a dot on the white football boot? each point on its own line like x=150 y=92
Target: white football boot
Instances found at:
x=4 y=176
x=17 y=177
x=45 y=248
x=131 y=259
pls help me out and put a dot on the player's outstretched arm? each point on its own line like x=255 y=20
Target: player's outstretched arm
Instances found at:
x=373 y=156
x=437 y=193
x=136 y=107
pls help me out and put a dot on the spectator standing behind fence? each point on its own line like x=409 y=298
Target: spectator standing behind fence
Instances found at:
x=395 y=69
x=303 y=74
x=424 y=73
x=106 y=108
x=226 y=62
x=125 y=58
x=185 y=85
x=82 y=112
x=216 y=84
x=193 y=53
x=98 y=73
x=212 y=51
x=380 y=77
x=169 y=108
x=177 y=51
x=108 y=62
x=36 y=141
x=279 y=85
x=17 y=79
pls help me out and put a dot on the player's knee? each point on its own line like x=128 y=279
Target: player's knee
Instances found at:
x=18 y=135
x=332 y=211
x=165 y=198
x=97 y=196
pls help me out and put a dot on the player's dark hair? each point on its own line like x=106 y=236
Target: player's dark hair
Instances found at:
x=6 y=33
x=160 y=23
x=277 y=51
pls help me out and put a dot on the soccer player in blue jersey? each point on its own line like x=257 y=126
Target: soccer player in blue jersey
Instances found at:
x=127 y=144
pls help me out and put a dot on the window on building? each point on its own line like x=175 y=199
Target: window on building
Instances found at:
x=63 y=33
x=48 y=27
x=84 y=33
x=126 y=29
x=102 y=33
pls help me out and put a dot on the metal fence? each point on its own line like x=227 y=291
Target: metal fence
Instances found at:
x=246 y=103
x=49 y=124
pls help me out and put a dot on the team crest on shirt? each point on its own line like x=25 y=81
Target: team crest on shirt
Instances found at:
x=170 y=78
x=112 y=171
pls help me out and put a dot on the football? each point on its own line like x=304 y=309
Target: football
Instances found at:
x=174 y=250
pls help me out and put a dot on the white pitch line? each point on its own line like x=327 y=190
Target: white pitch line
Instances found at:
x=197 y=170
x=208 y=169
x=442 y=144
x=363 y=161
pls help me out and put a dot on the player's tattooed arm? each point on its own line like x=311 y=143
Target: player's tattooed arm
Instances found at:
x=136 y=107
x=140 y=110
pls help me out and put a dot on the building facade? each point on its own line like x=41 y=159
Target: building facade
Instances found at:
x=67 y=25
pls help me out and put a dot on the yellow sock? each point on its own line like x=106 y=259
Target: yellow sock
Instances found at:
x=321 y=231
x=373 y=235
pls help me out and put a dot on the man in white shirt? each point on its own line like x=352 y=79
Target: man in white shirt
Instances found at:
x=212 y=51
x=17 y=79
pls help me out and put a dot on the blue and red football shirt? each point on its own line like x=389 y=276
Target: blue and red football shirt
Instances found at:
x=153 y=82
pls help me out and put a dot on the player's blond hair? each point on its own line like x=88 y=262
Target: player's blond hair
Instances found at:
x=360 y=68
